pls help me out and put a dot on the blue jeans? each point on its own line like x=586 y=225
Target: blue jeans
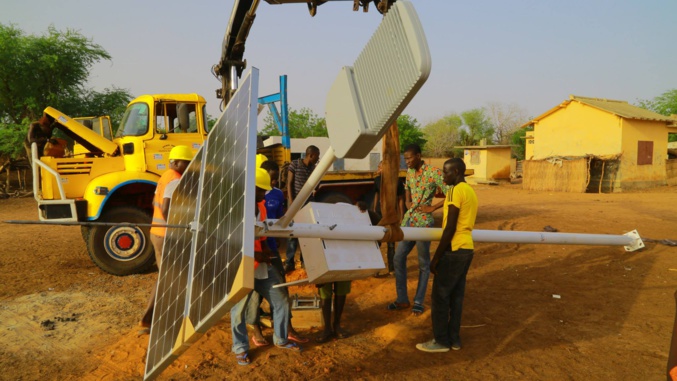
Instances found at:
x=279 y=303
x=292 y=245
x=400 y=261
x=447 y=295
x=253 y=308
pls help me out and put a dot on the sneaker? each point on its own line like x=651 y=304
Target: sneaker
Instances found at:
x=456 y=345
x=432 y=346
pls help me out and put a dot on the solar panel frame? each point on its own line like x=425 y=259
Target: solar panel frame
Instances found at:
x=192 y=295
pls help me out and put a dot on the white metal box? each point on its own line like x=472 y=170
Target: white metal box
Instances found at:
x=328 y=260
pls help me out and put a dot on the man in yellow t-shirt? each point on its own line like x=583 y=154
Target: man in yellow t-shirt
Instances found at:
x=452 y=260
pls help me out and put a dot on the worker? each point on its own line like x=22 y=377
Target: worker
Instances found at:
x=297 y=174
x=179 y=158
x=265 y=277
x=422 y=184
x=452 y=260
x=39 y=132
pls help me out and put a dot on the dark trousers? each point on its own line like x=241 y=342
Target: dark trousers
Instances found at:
x=447 y=295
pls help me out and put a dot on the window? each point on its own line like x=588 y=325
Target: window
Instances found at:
x=134 y=122
x=644 y=152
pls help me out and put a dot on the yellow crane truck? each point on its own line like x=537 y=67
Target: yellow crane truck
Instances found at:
x=114 y=180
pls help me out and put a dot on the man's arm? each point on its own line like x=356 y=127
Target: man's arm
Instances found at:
x=165 y=207
x=290 y=186
x=407 y=196
x=447 y=236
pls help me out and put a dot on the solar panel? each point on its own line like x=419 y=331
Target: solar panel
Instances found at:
x=208 y=269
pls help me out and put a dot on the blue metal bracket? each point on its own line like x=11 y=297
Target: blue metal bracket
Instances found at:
x=281 y=118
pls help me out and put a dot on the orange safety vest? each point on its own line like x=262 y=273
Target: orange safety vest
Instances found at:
x=262 y=217
x=165 y=179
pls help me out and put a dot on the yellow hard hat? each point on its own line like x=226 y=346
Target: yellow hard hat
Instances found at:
x=181 y=153
x=263 y=179
x=260 y=159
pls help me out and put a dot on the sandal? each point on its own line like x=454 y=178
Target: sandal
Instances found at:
x=324 y=337
x=417 y=309
x=262 y=343
x=295 y=337
x=242 y=358
x=342 y=334
x=397 y=306
x=290 y=345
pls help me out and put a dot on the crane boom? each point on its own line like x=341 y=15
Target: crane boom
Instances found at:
x=230 y=66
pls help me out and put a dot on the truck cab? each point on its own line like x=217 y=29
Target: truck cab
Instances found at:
x=113 y=181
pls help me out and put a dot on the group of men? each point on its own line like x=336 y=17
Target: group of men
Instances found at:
x=449 y=264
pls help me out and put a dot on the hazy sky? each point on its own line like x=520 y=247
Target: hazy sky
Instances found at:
x=532 y=53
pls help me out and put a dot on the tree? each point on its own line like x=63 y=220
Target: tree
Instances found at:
x=664 y=104
x=49 y=70
x=442 y=135
x=410 y=132
x=476 y=127
x=506 y=119
x=302 y=124
x=40 y=71
x=518 y=141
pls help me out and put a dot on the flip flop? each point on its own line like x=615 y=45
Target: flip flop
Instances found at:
x=297 y=338
x=143 y=331
x=242 y=358
x=290 y=345
x=260 y=343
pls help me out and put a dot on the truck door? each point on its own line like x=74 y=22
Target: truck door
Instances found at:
x=176 y=123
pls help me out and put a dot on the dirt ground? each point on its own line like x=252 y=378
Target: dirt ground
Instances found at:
x=612 y=321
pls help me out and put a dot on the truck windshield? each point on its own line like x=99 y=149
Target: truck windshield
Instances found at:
x=134 y=122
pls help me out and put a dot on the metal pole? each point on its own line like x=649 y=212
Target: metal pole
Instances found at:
x=76 y=223
x=314 y=179
x=375 y=233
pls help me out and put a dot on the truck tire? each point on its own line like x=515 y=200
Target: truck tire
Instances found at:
x=122 y=250
x=333 y=198
x=84 y=230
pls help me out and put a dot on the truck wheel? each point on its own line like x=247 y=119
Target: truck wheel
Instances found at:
x=84 y=230
x=122 y=250
x=334 y=197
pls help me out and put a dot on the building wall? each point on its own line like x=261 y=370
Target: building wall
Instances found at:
x=671 y=171
x=488 y=163
x=498 y=163
x=631 y=175
x=529 y=145
x=476 y=160
x=577 y=130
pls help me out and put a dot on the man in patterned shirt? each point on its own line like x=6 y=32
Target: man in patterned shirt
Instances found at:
x=421 y=186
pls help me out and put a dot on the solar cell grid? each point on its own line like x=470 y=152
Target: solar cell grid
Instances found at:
x=206 y=270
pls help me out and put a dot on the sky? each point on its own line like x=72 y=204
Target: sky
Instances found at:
x=531 y=53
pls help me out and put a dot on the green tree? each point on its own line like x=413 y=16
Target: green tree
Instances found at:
x=664 y=104
x=519 y=143
x=441 y=135
x=49 y=70
x=40 y=71
x=302 y=124
x=409 y=131
x=477 y=127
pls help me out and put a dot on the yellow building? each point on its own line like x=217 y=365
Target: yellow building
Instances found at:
x=617 y=145
x=490 y=163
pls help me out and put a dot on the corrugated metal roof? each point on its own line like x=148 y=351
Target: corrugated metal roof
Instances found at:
x=621 y=108
x=616 y=107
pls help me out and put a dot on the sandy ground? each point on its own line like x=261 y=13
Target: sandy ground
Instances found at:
x=613 y=319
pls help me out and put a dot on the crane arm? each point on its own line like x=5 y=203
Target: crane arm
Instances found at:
x=231 y=64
